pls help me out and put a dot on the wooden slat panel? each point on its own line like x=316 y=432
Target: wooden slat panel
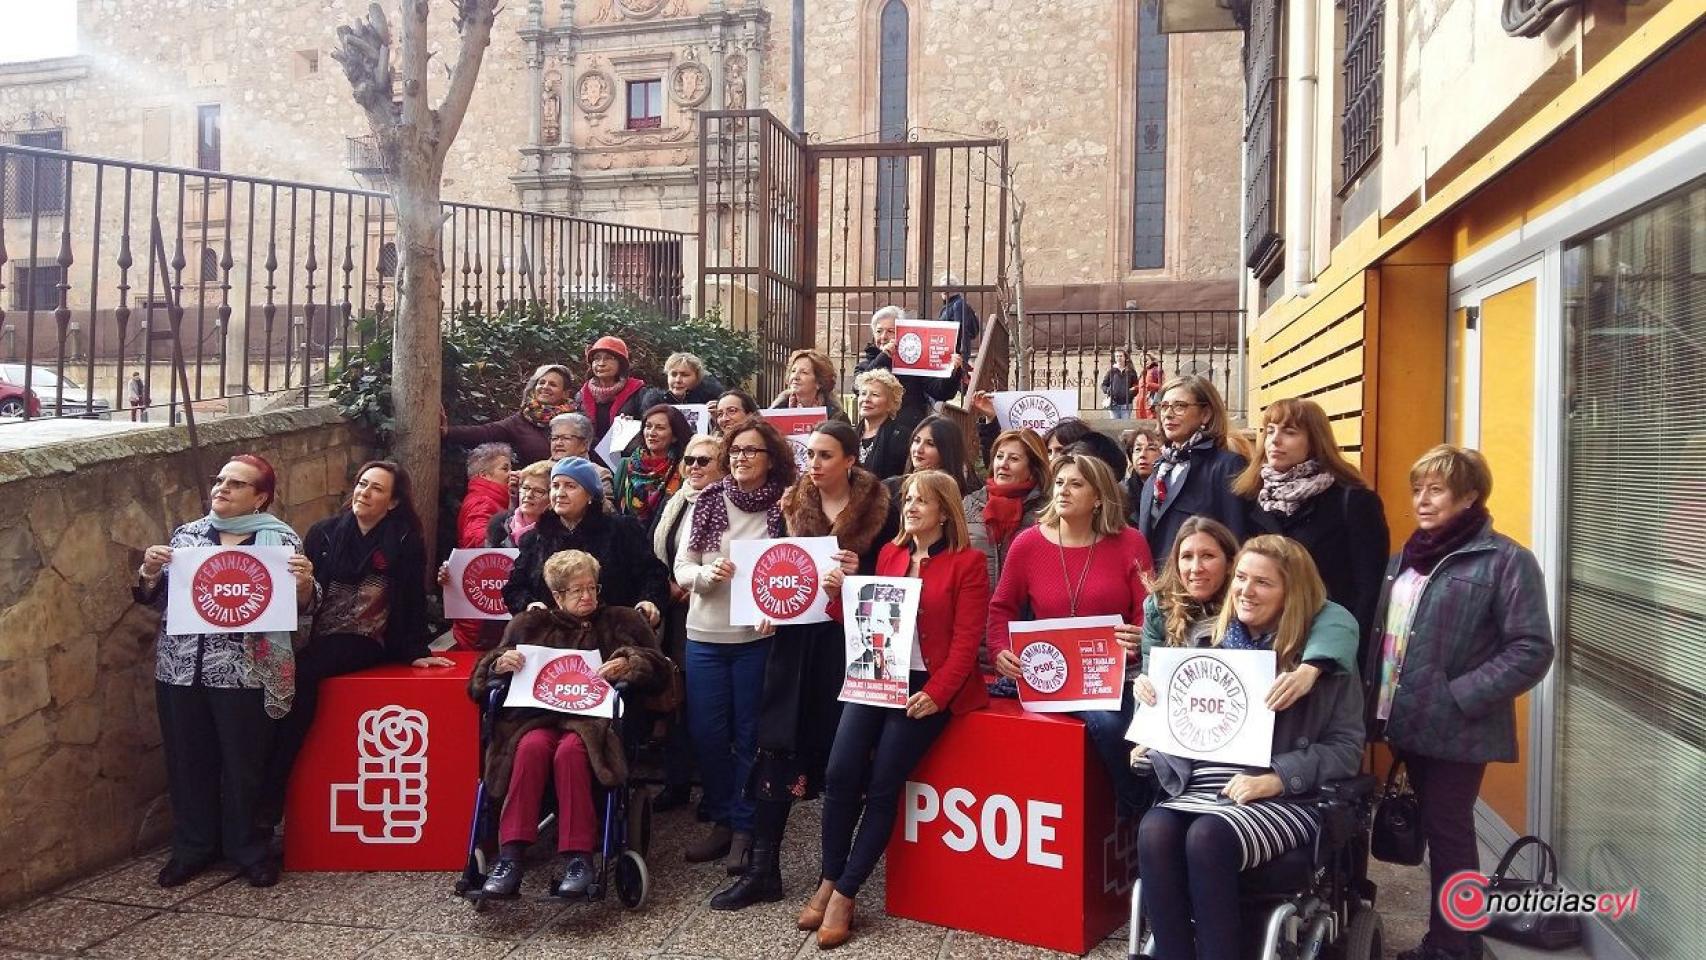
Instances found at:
x=1344 y=335
x=1344 y=367
x=1344 y=299
x=1348 y=433
x=1341 y=400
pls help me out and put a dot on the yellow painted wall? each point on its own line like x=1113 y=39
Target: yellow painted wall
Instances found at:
x=1507 y=440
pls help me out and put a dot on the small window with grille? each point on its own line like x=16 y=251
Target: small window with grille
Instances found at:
x=35 y=184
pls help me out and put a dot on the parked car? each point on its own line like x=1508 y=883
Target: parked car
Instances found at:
x=72 y=401
x=13 y=400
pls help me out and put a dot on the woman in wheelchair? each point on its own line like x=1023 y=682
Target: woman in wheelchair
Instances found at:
x=532 y=749
x=1221 y=819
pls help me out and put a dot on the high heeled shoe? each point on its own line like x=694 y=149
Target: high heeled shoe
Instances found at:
x=831 y=934
x=811 y=915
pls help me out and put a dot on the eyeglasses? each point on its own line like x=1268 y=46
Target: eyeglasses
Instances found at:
x=229 y=482
x=527 y=491
x=1177 y=406
x=698 y=461
x=577 y=593
x=742 y=453
x=566 y=437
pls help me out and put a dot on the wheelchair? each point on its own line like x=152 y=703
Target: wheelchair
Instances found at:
x=625 y=823
x=1312 y=902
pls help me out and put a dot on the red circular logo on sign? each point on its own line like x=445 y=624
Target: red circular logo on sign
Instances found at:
x=231 y=589
x=911 y=347
x=1043 y=666
x=483 y=581
x=784 y=582
x=567 y=683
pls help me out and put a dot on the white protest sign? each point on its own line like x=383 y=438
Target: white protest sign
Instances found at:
x=475 y=588
x=697 y=417
x=1210 y=705
x=881 y=625
x=1068 y=664
x=230 y=590
x=566 y=681
x=925 y=348
x=780 y=580
x=613 y=446
x=1035 y=410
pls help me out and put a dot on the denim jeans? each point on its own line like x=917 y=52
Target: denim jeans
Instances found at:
x=725 y=682
x=1107 y=734
x=1120 y=411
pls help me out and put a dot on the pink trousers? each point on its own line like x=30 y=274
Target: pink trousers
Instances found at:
x=542 y=755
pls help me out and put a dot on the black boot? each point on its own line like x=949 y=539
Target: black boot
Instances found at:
x=761 y=883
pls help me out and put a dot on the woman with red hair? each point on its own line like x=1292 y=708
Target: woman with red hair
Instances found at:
x=218 y=694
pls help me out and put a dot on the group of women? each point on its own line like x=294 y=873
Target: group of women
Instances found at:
x=1288 y=552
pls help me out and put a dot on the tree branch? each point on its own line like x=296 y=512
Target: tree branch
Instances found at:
x=416 y=111
x=474 y=25
x=364 y=51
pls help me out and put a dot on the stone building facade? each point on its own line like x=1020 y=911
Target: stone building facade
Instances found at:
x=1124 y=142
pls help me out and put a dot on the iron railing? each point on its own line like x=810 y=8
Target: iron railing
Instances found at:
x=260 y=282
x=1072 y=349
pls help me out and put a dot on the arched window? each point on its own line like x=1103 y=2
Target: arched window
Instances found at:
x=891 y=126
x=1149 y=173
x=388 y=260
x=209 y=265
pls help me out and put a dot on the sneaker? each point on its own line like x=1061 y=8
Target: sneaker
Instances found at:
x=504 y=880
x=714 y=846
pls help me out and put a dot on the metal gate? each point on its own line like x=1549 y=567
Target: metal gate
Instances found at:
x=800 y=242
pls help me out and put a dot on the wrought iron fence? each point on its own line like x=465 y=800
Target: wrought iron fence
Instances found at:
x=1362 y=66
x=1072 y=349
x=108 y=268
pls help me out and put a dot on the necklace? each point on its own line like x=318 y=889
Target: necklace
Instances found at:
x=1073 y=592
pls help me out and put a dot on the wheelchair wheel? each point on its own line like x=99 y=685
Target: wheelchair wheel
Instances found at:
x=632 y=881
x=1362 y=937
x=640 y=822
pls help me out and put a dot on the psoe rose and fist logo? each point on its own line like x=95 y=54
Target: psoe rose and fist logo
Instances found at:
x=387 y=803
x=784 y=582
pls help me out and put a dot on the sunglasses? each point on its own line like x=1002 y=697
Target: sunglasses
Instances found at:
x=697 y=461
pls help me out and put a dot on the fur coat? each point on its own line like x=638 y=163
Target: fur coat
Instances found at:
x=613 y=632
x=867 y=522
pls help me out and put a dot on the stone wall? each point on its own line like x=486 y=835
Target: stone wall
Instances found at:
x=80 y=751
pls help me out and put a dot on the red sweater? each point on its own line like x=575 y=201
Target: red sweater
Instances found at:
x=950 y=620
x=1032 y=577
x=484 y=500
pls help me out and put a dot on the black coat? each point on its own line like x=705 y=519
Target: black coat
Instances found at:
x=889 y=453
x=708 y=389
x=1344 y=530
x=917 y=392
x=1204 y=490
x=628 y=571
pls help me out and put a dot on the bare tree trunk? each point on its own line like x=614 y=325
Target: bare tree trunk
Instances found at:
x=414 y=142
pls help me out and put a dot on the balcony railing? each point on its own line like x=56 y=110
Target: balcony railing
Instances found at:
x=261 y=282
x=1071 y=349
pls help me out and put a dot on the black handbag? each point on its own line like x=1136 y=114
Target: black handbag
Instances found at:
x=1545 y=931
x=1397 y=834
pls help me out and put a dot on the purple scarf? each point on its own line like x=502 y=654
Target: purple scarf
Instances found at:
x=1426 y=548
x=711 y=511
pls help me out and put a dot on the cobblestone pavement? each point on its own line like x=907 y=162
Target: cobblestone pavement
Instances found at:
x=122 y=915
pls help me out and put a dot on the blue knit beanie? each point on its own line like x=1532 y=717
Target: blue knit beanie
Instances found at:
x=582 y=472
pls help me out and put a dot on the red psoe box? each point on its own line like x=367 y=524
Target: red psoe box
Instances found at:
x=1007 y=829
x=386 y=779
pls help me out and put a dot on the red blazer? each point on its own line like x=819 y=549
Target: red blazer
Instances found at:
x=952 y=613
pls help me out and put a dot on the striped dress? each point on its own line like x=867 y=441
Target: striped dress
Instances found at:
x=1265 y=828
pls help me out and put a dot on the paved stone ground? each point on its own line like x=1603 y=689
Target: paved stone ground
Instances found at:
x=122 y=915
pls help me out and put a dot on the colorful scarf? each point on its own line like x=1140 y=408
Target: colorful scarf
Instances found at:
x=603 y=395
x=711 y=512
x=538 y=413
x=1426 y=548
x=1004 y=509
x=1283 y=491
x=518 y=525
x=271 y=654
x=647 y=481
x=1238 y=638
x=1173 y=455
